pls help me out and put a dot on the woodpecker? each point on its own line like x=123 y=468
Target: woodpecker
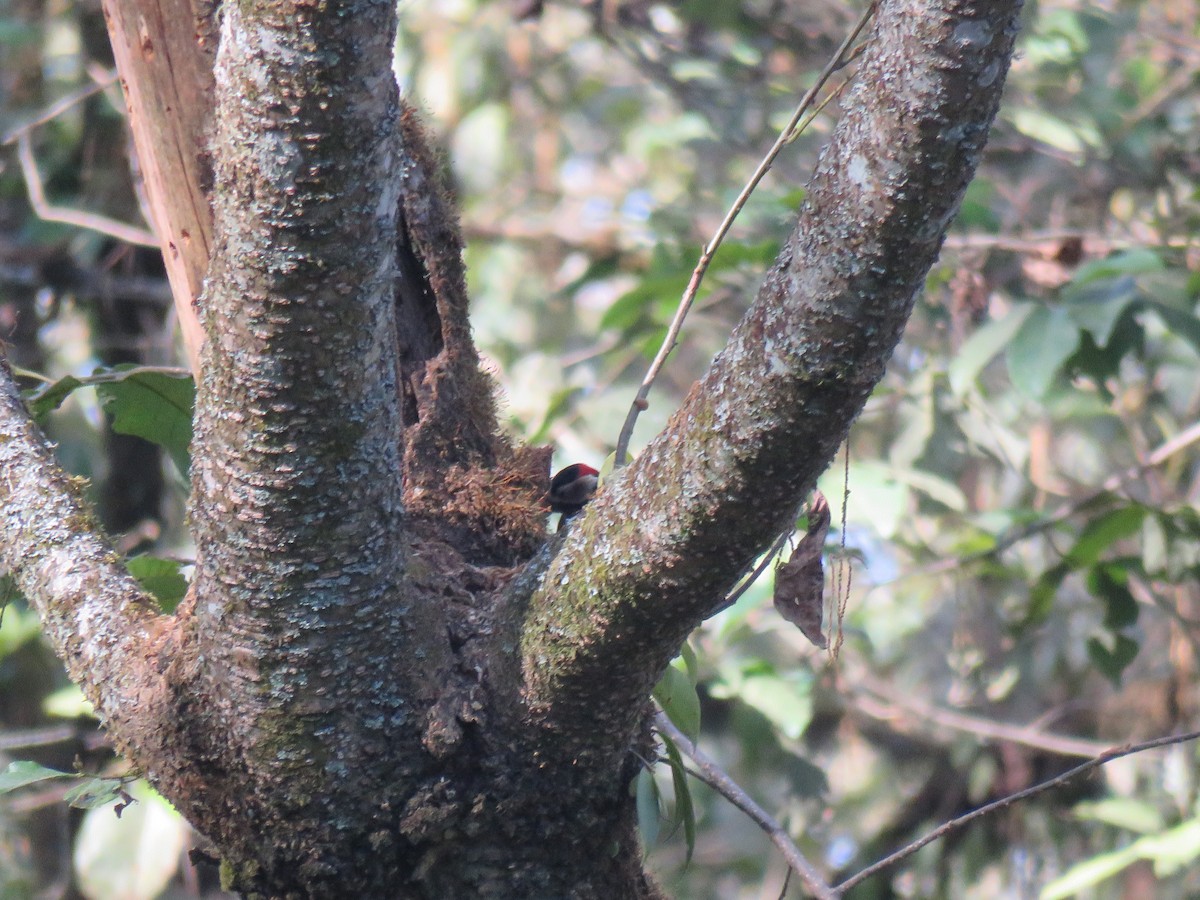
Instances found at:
x=571 y=488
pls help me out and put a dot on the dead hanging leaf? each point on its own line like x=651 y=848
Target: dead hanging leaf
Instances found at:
x=800 y=582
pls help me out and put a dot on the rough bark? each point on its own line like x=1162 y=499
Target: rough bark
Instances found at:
x=98 y=620
x=385 y=682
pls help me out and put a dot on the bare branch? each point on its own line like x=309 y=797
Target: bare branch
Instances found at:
x=60 y=106
x=1004 y=802
x=131 y=234
x=718 y=779
x=887 y=704
x=100 y=622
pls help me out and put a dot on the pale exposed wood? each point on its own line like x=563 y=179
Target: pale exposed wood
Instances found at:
x=164 y=53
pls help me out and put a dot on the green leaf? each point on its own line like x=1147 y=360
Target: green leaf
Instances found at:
x=1088 y=874
x=43 y=400
x=1169 y=852
x=933 y=486
x=1112 y=662
x=1121 y=812
x=1070 y=137
x=807 y=779
x=984 y=345
x=1044 y=342
x=690 y=663
x=878 y=497
x=19 y=626
x=677 y=696
x=1043 y=592
x=92 y=793
x=1139 y=261
x=642 y=304
x=1172 y=850
x=914 y=435
x=67 y=703
x=1108 y=582
x=1098 y=308
x=160 y=577
x=154 y=406
x=606 y=468
x=685 y=809
x=150 y=403
x=1184 y=324
x=23 y=772
x=560 y=404
x=786 y=703
x=648 y=808
x=1103 y=532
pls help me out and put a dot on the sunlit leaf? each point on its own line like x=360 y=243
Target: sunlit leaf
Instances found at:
x=67 y=703
x=985 y=345
x=160 y=577
x=1088 y=874
x=1122 y=812
x=153 y=406
x=1136 y=261
x=18 y=626
x=1070 y=137
x=1168 y=852
x=1184 y=324
x=787 y=703
x=46 y=398
x=1103 y=531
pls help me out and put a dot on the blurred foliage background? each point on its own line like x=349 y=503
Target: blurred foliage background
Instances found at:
x=1021 y=541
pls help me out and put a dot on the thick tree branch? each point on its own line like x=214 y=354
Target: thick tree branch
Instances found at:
x=101 y=624
x=297 y=510
x=655 y=552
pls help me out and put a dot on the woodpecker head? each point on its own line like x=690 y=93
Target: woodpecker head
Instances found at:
x=572 y=488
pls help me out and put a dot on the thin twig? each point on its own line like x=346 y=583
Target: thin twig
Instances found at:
x=61 y=105
x=744 y=585
x=787 y=879
x=22 y=739
x=884 y=704
x=843 y=572
x=1038 y=241
x=961 y=821
x=689 y=295
x=717 y=779
x=1157 y=457
x=130 y=234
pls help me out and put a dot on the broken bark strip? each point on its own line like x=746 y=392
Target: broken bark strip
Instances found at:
x=164 y=51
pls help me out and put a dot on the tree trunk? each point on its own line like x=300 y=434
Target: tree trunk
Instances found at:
x=386 y=680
